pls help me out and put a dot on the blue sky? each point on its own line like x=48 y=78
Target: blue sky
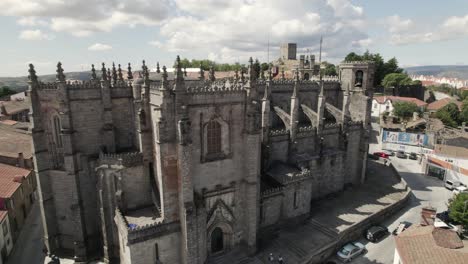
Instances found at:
x=81 y=32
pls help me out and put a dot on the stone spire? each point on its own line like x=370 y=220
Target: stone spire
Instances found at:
x=32 y=74
x=109 y=75
x=294 y=108
x=211 y=74
x=236 y=75
x=93 y=73
x=179 y=73
x=242 y=75
x=129 y=72
x=120 y=73
x=251 y=70
x=164 y=74
x=202 y=73
x=114 y=73
x=164 y=81
x=104 y=73
x=157 y=67
x=296 y=83
x=60 y=76
x=145 y=71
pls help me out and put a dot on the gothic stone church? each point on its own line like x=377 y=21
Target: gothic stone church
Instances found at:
x=170 y=169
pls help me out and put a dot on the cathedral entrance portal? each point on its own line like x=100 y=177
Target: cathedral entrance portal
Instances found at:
x=217 y=240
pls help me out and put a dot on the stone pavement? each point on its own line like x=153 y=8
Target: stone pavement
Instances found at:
x=329 y=218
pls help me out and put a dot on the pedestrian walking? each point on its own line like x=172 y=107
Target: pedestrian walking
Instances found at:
x=280 y=259
x=271 y=258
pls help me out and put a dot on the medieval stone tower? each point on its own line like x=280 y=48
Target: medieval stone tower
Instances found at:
x=170 y=169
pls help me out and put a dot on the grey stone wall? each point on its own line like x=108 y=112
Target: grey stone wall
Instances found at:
x=136 y=187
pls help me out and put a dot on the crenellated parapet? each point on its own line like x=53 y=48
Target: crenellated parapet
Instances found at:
x=279 y=132
x=356 y=62
x=124 y=159
x=272 y=192
x=220 y=86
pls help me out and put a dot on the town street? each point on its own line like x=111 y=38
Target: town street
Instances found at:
x=427 y=191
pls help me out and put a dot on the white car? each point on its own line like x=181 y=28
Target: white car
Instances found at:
x=350 y=251
x=441 y=224
x=460 y=189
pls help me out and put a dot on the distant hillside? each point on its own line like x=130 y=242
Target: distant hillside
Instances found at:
x=449 y=71
x=21 y=83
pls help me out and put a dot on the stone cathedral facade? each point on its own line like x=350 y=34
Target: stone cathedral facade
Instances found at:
x=176 y=170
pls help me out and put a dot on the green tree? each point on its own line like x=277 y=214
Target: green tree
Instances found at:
x=5 y=90
x=405 y=110
x=459 y=209
x=445 y=117
x=464 y=111
x=330 y=69
x=449 y=115
x=396 y=80
x=353 y=57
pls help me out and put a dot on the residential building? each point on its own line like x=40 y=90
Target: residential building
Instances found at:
x=15 y=144
x=17 y=191
x=6 y=241
x=429 y=245
x=17 y=110
x=384 y=104
x=434 y=106
x=447 y=163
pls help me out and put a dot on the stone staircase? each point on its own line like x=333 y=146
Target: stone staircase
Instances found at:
x=312 y=223
x=236 y=256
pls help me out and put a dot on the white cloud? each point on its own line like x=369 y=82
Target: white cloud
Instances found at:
x=404 y=31
x=34 y=35
x=236 y=29
x=396 y=24
x=85 y=17
x=99 y=47
x=31 y=21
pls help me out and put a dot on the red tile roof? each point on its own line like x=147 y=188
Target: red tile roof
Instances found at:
x=443 y=102
x=382 y=99
x=11 y=178
x=430 y=245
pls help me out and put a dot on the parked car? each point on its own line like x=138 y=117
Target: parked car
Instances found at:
x=350 y=251
x=441 y=224
x=444 y=216
x=452 y=184
x=413 y=156
x=372 y=156
x=381 y=155
x=401 y=155
x=389 y=152
x=401 y=227
x=460 y=189
x=375 y=233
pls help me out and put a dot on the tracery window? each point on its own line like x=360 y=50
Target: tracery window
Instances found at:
x=213 y=137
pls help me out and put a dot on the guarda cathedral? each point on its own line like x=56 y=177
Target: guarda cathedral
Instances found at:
x=172 y=169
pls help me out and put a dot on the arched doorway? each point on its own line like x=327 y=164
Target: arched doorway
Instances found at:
x=306 y=76
x=217 y=240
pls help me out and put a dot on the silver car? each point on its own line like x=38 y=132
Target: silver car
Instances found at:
x=350 y=251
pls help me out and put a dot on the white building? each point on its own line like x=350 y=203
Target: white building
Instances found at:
x=382 y=104
x=6 y=242
x=447 y=163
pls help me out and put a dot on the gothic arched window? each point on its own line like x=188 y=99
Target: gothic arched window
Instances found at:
x=359 y=78
x=306 y=76
x=213 y=137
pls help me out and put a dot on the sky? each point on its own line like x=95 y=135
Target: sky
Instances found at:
x=83 y=32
